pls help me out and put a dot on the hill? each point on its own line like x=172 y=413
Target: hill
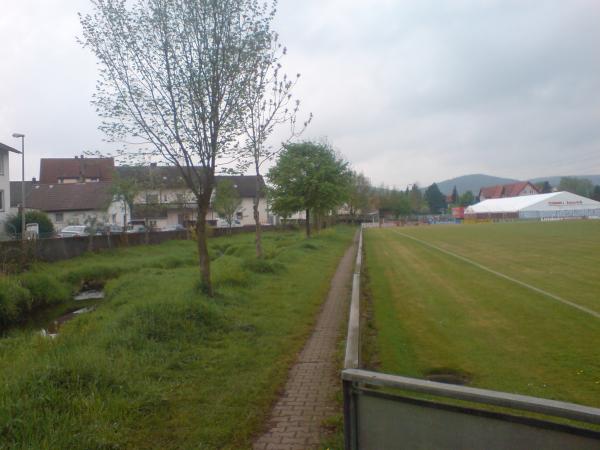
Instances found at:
x=475 y=182
x=471 y=183
x=555 y=181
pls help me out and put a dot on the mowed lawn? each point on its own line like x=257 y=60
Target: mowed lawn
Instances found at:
x=158 y=364
x=434 y=312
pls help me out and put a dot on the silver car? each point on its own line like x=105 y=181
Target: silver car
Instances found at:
x=74 y=230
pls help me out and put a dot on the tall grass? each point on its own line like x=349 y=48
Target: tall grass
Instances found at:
x=158 y=364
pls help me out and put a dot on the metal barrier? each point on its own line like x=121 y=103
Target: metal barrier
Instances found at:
x=383 y=411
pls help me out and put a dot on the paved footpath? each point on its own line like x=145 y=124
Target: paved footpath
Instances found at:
x=308 y=397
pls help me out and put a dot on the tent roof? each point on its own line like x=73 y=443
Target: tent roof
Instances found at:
x=551 y=201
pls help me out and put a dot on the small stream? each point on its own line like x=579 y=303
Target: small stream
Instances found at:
x=83 y=302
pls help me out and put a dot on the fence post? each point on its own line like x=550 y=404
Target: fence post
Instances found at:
x=350 y=424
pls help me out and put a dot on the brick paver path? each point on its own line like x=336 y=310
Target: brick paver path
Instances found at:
x=308 y=398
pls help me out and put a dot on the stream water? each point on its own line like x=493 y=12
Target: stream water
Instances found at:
x=83 y=302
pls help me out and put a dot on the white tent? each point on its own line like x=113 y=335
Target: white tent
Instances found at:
x=542 y=206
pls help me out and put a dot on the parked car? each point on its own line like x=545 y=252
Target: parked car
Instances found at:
x=222 y=223
x=177 y=227
x=74 y=230
x=113 y=229
x=136 y=228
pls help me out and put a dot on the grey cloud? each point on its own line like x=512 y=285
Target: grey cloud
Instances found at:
x=407 y=90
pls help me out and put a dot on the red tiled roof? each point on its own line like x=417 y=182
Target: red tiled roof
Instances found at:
x=491 y=191
x=507 y=190
x=70 y=197
x=513 y=190
x=54 y=169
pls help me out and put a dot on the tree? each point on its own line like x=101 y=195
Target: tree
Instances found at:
x=308 y=176
x=596 y=193
x=172 y=77
x=125 y=190
x=359 y=193
x=415 y=198
x=467 y=199
x=268 y=104
x=435 y=199
x=227 y=200
x=12 y=225
x=454 y=196
x=543 y=187
x=579 y=186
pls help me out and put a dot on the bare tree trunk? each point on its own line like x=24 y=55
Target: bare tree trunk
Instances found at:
x=258 y=237
x=308 y=223
x=201 y=232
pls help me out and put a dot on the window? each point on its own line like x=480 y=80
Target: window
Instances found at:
x=58 y=217
x=1 y=200
x=151 y=198
x=1 y=164
x=239 y=216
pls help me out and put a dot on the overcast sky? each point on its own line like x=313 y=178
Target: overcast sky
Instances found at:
x=406 y=90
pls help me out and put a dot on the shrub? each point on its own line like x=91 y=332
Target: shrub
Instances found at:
x=15 y=301
x=45 y=290
x=229 y=270
x=93 y=274
x=13 y=223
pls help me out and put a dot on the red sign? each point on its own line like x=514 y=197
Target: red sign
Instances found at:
x=459 y=212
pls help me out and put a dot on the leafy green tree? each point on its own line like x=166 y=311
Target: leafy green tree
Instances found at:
x=467 y=199
x=579 y=186
x=308 y=176
x=359 y=194
x=12 y=225
x=227 y=200
x=596 y=193
x=435 y=199
x=415 y=198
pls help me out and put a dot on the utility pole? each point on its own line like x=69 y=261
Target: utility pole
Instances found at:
x=22 y=136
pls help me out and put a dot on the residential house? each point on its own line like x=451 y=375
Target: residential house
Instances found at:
x=164 y=199
x=76 y=203
x=508 y=190
x=5 y=150
x=72 y=189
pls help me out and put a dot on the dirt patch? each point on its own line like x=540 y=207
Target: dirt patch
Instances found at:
x=448 y=375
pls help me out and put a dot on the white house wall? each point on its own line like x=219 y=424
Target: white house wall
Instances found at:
x=173 y=196
x=115 y=211
x=5 y=188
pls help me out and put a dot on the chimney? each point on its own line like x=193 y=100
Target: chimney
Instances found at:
x=81 y=157
x=33 y=180
x=153 y=164
x=76 y=157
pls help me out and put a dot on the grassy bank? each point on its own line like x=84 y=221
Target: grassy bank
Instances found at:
x=435 y=314
x=159 y=365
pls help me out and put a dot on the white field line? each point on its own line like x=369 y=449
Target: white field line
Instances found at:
x=506 y=277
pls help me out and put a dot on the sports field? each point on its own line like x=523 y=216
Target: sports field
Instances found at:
x=439 y=308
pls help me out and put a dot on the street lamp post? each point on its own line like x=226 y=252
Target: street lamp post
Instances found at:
x=22 y=136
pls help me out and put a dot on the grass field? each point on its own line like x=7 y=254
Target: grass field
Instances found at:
x=434 y=313
x=159 y=365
